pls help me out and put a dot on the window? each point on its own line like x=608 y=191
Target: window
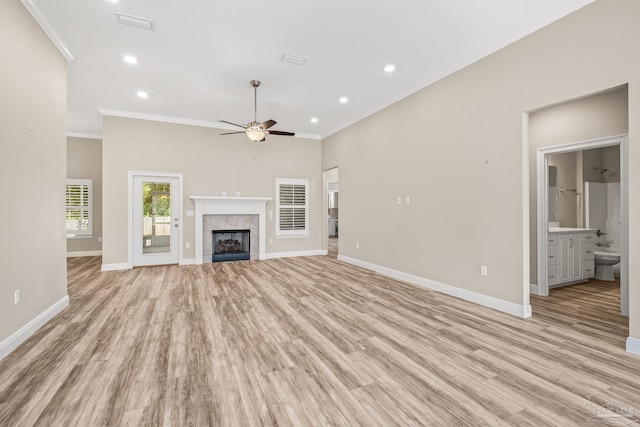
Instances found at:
x=292 y=207
x=78 y=195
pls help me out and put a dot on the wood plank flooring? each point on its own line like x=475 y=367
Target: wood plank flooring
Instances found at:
x=314 y=342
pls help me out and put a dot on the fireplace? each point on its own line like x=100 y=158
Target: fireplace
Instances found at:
x=233 y=211
x=231 y=245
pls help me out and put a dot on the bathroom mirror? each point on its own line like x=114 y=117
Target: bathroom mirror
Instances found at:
x=553 y=194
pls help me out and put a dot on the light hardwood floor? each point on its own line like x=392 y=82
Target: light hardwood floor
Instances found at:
x=333 y=247
x=313 y=341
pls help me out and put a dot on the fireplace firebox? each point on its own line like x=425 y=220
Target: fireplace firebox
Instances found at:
x=231 y=245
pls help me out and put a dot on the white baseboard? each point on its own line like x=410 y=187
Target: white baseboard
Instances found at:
x=533 y=289
x=116 y=266
x=293 y=254
x=22 y=334
x=83 y=253
x=523 y=311
x=633 y=345
x=188 y=261
x=324 y=252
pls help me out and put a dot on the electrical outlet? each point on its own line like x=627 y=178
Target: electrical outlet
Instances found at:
x=483 y=270
x=270 y=241
x=358 y=245
x=187 y=245
x=399 y=200
x=407 y=200
x=16 y=297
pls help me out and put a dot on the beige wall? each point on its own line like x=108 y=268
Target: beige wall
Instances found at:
x=32 y=165
x=456 y=147
x=211 y=164
x=597 y=116
x=84 y=161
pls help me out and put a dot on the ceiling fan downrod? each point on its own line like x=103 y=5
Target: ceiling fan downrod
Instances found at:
x=255 y=84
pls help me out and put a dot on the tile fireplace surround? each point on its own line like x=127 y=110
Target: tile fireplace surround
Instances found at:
x=242 y=207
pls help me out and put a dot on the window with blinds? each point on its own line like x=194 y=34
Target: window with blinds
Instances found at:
x=78 y=202
x=292 y=207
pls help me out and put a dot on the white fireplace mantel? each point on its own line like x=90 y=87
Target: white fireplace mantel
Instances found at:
x=224 y=205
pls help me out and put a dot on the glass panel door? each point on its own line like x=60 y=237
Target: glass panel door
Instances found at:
x=155 y=220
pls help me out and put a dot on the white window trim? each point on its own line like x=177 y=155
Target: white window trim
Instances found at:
x=283 y=234
x=82 y=234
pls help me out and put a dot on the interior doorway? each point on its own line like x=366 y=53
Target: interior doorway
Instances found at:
x=332 y=209
x=548 y=209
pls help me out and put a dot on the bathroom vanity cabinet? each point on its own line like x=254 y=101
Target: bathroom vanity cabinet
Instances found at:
x=570 y=255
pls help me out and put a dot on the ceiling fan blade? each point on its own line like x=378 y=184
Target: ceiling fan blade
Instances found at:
x=268 y=124
x=231 y=133
x=279 y=132
x=229 y=123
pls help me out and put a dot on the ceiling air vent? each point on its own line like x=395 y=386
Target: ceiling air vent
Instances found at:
x=134 y=21
x=298 y=60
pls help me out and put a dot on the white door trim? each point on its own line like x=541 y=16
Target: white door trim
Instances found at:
x=130 y=216
x=542 y=205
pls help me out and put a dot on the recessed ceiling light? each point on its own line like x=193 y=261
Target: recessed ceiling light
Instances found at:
x=314 y=120
x=343 y=100
x=390 y=68
x=129 y=59
x=142 y=94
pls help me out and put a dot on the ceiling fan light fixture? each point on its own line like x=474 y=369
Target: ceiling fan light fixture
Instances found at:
x=255 y=132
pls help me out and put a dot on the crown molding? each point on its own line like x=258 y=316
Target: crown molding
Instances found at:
x=183 y=121
x=48 y=29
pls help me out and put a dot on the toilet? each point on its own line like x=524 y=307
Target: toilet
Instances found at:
x=604 y=264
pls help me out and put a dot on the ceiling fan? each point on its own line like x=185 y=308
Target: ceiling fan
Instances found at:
x=254 y=130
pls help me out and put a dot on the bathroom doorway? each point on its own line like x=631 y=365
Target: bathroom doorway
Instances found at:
x=569 y=208
x=332 y=209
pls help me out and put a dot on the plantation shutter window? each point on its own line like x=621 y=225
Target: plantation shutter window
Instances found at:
x=78 y=207
x=292 y=207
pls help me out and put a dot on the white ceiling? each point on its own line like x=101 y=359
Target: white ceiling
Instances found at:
x=197 y=62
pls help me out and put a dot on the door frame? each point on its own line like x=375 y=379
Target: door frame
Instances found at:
x=325 y=208
x=131 y=217
x=542 y=176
